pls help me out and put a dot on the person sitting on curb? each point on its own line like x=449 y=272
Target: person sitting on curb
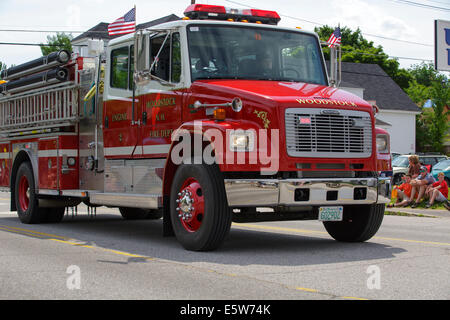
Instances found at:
x=438 y=191
x=403 y=193
x=420 y=184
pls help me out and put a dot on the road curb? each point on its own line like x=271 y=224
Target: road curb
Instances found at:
x=422 y=212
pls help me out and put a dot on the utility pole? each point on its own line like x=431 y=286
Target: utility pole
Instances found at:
x=192 y=1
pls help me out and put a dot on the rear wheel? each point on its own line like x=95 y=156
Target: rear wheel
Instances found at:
x=139 y=214
x=360 y=223
x=199 y=211
x=25 y=196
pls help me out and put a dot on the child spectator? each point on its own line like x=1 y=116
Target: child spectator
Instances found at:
x=403 y=193
x=438 y=191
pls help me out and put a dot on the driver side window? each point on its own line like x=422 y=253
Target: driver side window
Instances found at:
x=168 y=63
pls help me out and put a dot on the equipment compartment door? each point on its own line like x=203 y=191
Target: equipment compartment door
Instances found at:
x=48 y=163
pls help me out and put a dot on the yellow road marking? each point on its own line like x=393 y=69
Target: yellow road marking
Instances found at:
x=273 y=228
x=306 y=289
x=65 y=240
x=353 y=298
x=10 y=228
x=104 y=249
x=414 y=241
x=22 y=232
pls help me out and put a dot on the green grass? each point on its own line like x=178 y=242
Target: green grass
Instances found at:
x=405 y=214
x=422 y=205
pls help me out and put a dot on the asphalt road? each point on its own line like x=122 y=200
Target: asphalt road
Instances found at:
x=108 y=258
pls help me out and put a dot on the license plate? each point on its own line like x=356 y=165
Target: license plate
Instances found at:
x=331 y=213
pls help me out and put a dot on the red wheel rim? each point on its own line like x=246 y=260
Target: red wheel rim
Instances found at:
x=191 y=205
x=24 y=193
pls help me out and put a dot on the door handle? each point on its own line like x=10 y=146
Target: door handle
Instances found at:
x=144 y=118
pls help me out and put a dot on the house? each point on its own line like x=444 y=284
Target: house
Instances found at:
x=397 y=111
x=100 y=32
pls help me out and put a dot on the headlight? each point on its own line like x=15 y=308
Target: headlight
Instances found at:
x=241 y=140
x=382 y=143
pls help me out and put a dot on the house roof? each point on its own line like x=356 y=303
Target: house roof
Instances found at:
x=100 y=31
x=379 y=122
x=377 y=86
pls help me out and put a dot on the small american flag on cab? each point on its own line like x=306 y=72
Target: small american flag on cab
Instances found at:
x=123 y=25
x=335 y=38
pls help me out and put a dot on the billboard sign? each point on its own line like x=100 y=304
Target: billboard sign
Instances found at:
x=442 y=45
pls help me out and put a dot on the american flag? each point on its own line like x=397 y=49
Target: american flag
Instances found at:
x=335 y=38
x=123 y=25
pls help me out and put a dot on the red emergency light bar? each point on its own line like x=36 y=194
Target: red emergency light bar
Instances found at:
x=205 y=11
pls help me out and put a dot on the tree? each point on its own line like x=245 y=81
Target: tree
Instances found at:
x=2 y=66
x=61 y=41
x=424 y=73
x=429 y=86
x=440 y=92
x=355 y=48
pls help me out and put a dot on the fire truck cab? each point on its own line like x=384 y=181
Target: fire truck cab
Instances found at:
x=200 y=121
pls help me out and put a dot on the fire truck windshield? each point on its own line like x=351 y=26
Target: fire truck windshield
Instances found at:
x=231 y=52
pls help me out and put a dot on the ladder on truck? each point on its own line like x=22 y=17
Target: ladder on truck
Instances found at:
x=39 y=111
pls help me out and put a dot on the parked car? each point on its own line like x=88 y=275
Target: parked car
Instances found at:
x=429 y=160
x=395 y=155
x=401 y=163
x=442 y=166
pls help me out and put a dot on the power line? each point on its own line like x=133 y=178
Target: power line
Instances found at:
x=420 y=5
x=34 y=44
x=44 y=31
x=377 y=55
x=321 y=24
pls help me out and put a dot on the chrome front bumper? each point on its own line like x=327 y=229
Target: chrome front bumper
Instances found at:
x=306 y=192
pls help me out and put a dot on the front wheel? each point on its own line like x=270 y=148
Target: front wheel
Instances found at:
x=199 y=211
x=360 y=223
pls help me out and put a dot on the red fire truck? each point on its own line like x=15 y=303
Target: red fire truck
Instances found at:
x=200 y=121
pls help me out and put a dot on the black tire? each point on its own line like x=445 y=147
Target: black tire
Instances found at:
x=215 y=221
x=140 y=214
x=25 y=196
x=360 y=223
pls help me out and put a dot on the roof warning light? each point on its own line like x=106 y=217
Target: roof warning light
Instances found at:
x=205 y=11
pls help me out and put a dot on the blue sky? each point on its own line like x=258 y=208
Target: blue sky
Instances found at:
x=376 y=19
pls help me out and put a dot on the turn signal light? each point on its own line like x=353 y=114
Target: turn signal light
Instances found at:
x=220 y=114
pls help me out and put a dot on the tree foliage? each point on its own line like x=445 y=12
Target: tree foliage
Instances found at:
x=2 y=66
x=433 y=88
x=60 y=41
x=355 y=48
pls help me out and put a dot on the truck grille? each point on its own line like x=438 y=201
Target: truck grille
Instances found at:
x=328 y=133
